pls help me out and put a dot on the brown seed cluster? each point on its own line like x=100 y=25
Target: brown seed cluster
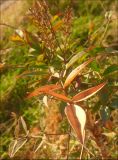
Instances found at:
x=42 y=18
x=67 y=21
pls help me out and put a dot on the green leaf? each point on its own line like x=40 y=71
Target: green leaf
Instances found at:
x=111 y=135
x=95 y=67
x=74 y=59
x=78 y=56
x=110 y=69
x=31 y=73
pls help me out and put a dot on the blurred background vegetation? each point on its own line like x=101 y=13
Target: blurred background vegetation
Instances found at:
x=98 y=18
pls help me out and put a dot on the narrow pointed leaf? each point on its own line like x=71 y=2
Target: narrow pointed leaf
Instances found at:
x=59 y=96
x=45 y=101
x=75 y=72
x=77 y=119
x=57 y=25
x=17 y=38
x=55 y=17
x=110 y=69
x=39 y=146
x=16 y=145
x=77 y=56
x=30 y=73
x=24 y=124
x=43 y=89
x=88 y=93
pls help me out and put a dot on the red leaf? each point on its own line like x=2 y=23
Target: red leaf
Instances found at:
x=77 y=119
x=43 y=89
x=59 y=96
x=75 y=72
x=88 y=93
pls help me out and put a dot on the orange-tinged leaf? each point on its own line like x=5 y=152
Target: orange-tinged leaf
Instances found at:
x=75 y=72
x=43 y=89
x=57 y=25
x=59 y=96
x=77 y=119
x=2 y=65
x=16 y=38
x=88 y=93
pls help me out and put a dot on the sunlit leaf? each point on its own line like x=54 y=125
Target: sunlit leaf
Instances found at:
x=77 y=56
x=45 y=101
x=54 y=18
x=17 y=38
x=88 y=93
x=56 y=75
x=77 y=119
x=20 y=33
x=24 y=124
x=40 y=58
x=15 y=145
x=110 y=135
x=59 y=96
x=43 y=89
x=57 y=25
x=75 y=72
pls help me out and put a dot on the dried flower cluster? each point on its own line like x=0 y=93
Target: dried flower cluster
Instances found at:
x=42 y=17
x=67 y=21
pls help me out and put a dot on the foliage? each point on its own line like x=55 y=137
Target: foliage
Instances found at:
x=60 y=62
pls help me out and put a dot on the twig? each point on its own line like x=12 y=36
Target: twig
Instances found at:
x=7 y=25
x=85 y=147
x=81 y=152
x=68 y=144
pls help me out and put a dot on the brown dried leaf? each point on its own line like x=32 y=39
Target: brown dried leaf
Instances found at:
x=88 y=93
x=75 y=72
x=15 y=145
x=24 y=125
x=77 y=119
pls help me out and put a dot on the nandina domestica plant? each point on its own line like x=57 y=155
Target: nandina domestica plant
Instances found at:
x=65 y=76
